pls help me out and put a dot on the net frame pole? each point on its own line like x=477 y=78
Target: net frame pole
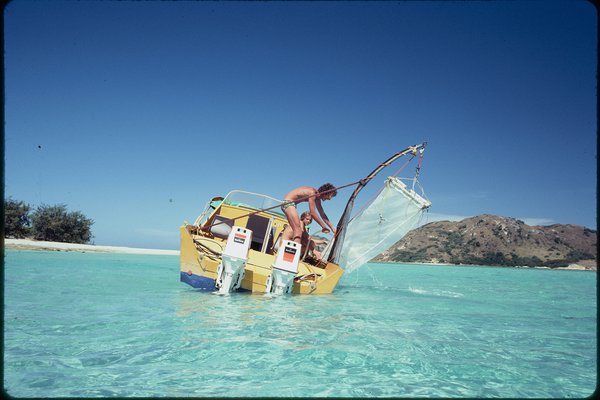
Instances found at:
x=339 y=237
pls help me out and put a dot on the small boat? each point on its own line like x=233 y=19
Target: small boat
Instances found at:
x=244 y=228
x=235 y=244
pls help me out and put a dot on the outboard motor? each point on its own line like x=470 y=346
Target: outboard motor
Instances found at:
x=285 y=268
x=233 y=260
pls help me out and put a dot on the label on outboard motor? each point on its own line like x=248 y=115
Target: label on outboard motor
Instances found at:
x=289 y=253
x=239 y=238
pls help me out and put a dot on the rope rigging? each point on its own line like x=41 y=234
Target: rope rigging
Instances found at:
x=334 y=248
x=282 y=202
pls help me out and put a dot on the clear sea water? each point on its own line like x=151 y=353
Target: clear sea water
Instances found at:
x=98 y=325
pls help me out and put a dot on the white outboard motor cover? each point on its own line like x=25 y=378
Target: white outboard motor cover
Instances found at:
x=231 y=270
x=285 y=268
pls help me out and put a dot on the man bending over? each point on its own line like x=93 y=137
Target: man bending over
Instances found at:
x=314 y=198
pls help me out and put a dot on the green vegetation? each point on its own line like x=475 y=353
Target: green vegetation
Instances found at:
x=454 y=240
x=496 y=258
x=500 y=259
x=17 y=223
x=50 y=223
x=410 y=256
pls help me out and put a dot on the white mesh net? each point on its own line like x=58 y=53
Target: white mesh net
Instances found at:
x=394 y=212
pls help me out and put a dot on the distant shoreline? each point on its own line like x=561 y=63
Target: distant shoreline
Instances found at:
x=572 y=267
x=26 y=244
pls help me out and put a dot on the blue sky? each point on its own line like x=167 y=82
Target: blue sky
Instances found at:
x=137 y=113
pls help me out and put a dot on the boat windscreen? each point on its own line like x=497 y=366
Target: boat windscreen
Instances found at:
x=254 y=201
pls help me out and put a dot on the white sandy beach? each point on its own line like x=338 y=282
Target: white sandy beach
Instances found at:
x=25 y=244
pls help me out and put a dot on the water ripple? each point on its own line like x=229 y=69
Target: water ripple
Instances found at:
x=394 y=332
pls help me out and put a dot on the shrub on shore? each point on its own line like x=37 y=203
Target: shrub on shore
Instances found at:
x=17 y=222
x=50 y=223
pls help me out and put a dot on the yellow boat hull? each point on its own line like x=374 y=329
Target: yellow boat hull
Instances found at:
x=201 y=249
x=199 y=268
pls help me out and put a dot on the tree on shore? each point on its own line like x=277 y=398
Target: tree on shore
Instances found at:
x=17 y=223
x=56 y=224
x=50 y=223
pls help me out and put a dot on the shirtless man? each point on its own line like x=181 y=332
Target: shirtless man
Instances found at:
x=305 y=220
x=314 y=198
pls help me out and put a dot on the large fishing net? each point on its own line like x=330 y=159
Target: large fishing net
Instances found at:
x=394 y=212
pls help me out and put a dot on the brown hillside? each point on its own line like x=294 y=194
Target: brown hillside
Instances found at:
x=494 y=240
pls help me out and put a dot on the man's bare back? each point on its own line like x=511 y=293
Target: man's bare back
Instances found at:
x=300 y=194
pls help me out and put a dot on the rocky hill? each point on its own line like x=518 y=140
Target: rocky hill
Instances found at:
x=494 y=240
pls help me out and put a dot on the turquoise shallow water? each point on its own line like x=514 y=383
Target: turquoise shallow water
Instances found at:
x=90 y=325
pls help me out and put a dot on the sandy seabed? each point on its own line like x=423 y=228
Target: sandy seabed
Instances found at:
x=26 y=244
